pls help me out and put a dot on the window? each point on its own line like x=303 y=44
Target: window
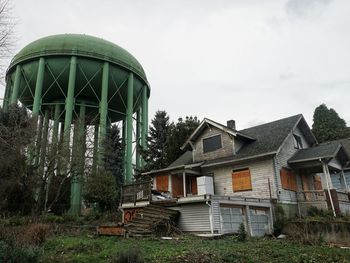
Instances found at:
x=298 y=144
x=212 y=143
x=288 y=180
x=241 y=180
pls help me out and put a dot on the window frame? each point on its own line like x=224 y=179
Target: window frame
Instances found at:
x=298 y=142
x=211 y=136
x=233 y=181
x=291 y=179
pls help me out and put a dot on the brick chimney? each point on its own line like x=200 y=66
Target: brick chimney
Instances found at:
x=231 y=124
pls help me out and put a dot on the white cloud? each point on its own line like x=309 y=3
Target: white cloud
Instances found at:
x=253 y=61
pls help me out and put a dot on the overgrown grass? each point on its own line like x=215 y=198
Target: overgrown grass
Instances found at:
x=90 y=248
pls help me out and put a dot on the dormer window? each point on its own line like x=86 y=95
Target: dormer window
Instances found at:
x=212 y=143
x=298 y=144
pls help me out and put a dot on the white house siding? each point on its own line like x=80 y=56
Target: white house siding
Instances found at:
x=281 y=160
x=194 y=217
x=226 y=150
x=260 y=171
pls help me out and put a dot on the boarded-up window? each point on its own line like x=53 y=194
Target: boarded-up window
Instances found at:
x=177 y=185
x=212 y=143
x=317 y=182
x=162 y=183
x=288 y=180
x=241 y=180
x=193 y=184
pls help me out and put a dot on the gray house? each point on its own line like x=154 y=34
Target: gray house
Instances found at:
x=229 y=177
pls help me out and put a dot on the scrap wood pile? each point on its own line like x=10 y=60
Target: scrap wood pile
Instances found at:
x=153 y=220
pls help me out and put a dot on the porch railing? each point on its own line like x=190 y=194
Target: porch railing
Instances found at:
x=136 y=192
x=343 y=196
x=311 y=196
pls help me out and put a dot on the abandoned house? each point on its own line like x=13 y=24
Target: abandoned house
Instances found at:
x=229 y=177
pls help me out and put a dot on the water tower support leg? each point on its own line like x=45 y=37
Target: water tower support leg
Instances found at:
x=15 y=90
x=138 y=132
x=39 y=87
x=78 y=153
x=144 y=131
x=129 y=113
x=103 y=113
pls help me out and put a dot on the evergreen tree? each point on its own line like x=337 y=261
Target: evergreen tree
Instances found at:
x=328 y=125
x=157 y=142
x=180 y=132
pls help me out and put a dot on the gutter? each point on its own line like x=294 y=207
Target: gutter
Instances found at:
x=183 y=166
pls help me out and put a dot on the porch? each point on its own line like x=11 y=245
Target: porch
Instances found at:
x=317 y=168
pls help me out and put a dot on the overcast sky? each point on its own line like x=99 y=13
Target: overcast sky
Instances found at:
x=252 y=61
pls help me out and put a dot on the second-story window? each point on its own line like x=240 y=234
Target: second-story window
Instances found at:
x=298 y=143
x=212 y=143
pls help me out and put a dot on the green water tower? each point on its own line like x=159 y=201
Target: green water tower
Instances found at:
x=77 y=82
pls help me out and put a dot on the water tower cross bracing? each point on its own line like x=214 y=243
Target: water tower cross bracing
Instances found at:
x=79 y=84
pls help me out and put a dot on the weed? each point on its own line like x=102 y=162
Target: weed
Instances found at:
x=242 y=234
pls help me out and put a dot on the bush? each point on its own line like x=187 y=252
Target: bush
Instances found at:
x=242 y=234
x=50 y=218
x=280 y=220
x=16 y=250
x=36 y=234
x=313 y=211
x=132 y=255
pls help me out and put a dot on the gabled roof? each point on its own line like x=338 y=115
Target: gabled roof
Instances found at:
x=269 y=136
x=205 y=122
x=324 y=151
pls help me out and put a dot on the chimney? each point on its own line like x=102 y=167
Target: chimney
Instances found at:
x=231 y=124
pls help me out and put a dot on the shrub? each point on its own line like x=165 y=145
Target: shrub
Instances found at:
x=50 y=218
x=132 y=255
x=280 y=220
x=36 y=234
x=242 y=234
x=15 y=250
x=313 y=211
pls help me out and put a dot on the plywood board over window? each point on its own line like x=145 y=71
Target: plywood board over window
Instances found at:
x=162 y=182
x=288 y=180
x=241 y=180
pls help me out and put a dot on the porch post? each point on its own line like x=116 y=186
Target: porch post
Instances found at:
x=184 y=182
x=326 y=173
x=344 y=180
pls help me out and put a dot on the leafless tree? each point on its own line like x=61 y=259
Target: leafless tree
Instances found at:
x=7 y=39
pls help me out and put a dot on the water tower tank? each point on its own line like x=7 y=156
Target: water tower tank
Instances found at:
x=75 y=81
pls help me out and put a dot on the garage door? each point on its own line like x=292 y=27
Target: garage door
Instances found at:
x=231 y=218
x=259 y=221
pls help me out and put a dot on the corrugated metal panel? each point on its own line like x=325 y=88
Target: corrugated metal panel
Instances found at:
x=194 y=218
